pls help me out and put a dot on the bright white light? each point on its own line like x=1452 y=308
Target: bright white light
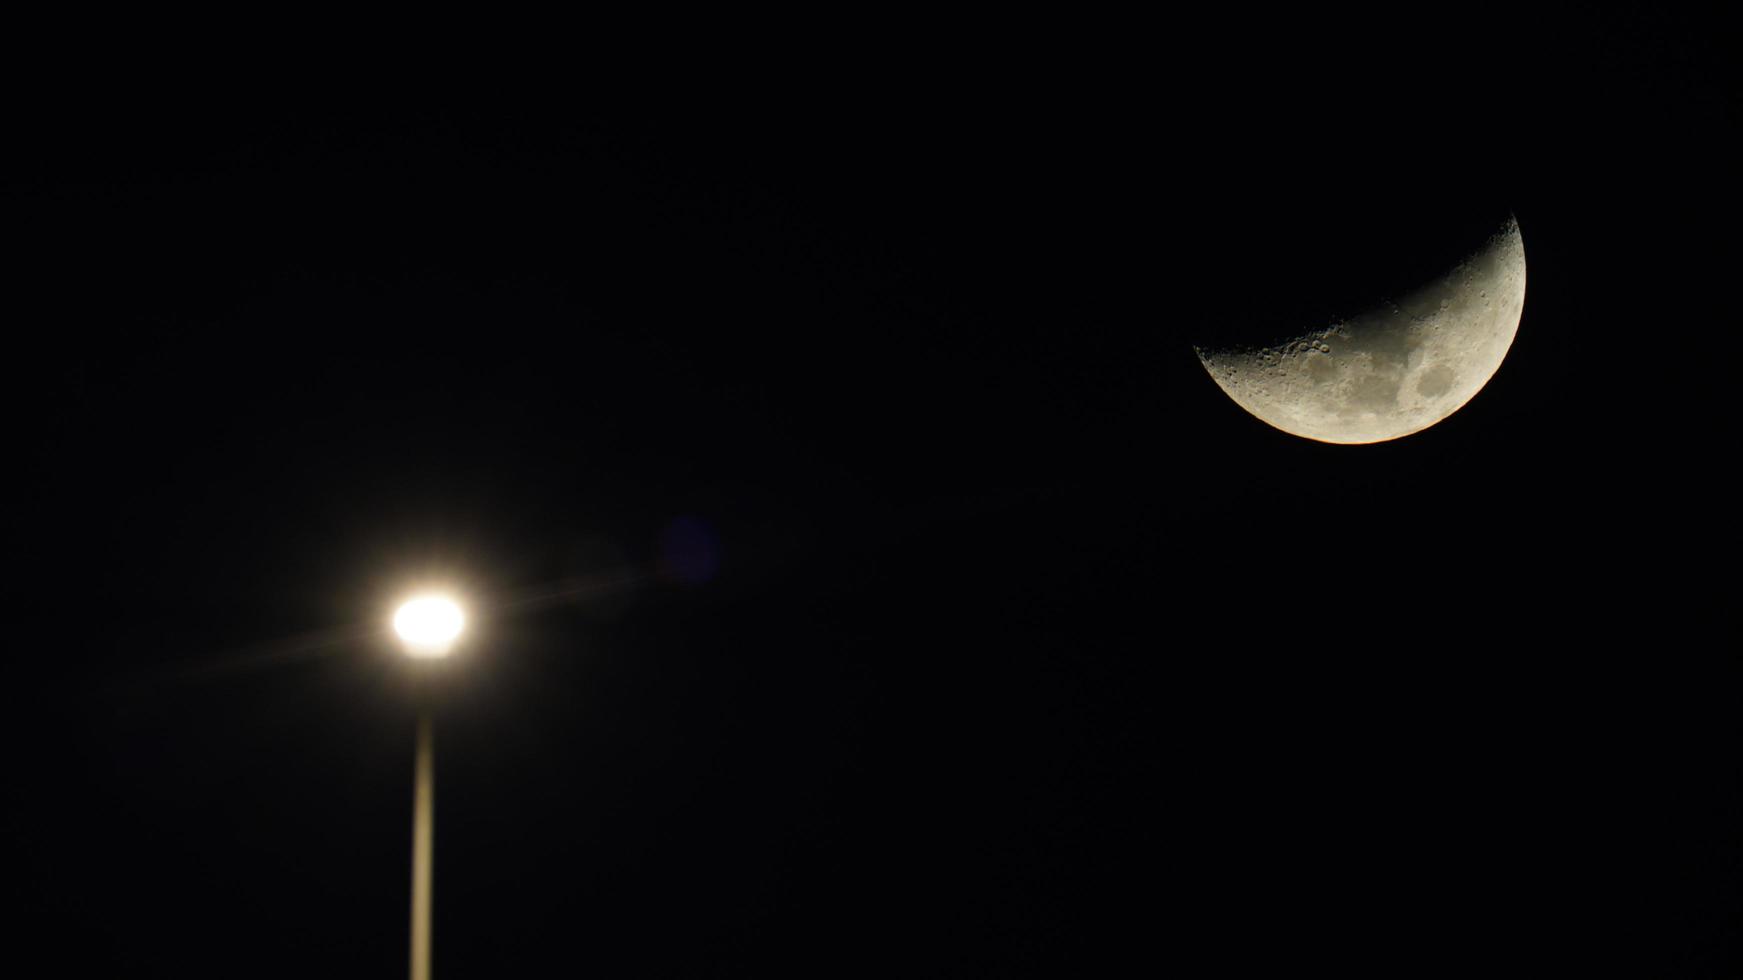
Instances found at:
x=429 y=625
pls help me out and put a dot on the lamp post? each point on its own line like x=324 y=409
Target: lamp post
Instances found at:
x=428 y=626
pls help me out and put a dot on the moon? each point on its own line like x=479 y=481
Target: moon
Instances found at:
x=1397 y=368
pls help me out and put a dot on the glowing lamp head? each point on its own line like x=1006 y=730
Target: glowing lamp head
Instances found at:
x=429 y=625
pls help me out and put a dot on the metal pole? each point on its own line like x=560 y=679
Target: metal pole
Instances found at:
x=423 y=841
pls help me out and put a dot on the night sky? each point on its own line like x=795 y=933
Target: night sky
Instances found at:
x=867 y=578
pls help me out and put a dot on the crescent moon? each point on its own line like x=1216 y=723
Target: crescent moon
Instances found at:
x=1394 y=370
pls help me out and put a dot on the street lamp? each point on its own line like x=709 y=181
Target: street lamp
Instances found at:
x=428 y=626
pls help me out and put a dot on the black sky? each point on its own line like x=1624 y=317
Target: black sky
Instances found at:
x=871 y=582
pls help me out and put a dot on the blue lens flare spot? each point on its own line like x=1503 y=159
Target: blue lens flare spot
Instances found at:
x=689 y=551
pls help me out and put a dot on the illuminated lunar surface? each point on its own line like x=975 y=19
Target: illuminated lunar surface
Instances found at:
x=1394 y=370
